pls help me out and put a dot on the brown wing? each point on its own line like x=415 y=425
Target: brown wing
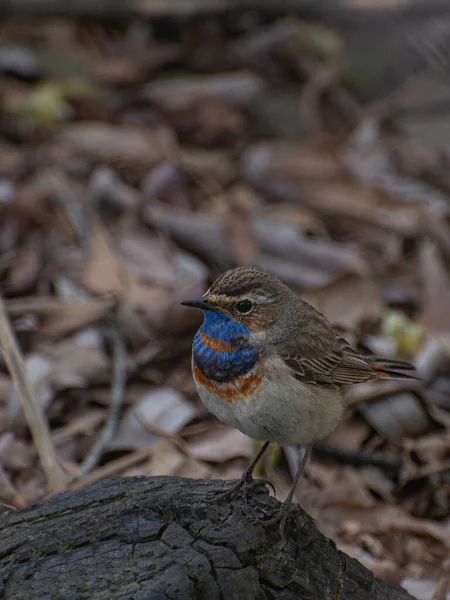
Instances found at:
x=319 y=355
x=337 y=365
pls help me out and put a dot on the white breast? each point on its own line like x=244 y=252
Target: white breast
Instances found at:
x=282 y=409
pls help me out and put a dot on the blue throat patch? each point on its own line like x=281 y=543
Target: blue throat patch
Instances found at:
x=218 y=365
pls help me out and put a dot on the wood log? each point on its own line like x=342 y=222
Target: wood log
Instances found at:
x=165 y=538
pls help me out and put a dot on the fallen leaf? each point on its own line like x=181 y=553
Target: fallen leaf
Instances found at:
x=352 y=302
x=104 y=273
x=369 y=159
x=397 y=417
x=166 y=458
x=57 y=318
x=350 y=433
x=201 y=234
x=80 y=425
x=239 y=88
x=341 y=487
x=206 y=121
x=289 y=161
x=393 y=519
x=283 y=240
x=134 y=272
x=219 y=443
x=62 y=365
x=112 y=144
x=24 y=269
x=163 y=409
x=16 y=455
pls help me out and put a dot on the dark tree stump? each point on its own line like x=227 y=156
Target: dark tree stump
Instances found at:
x=161 y=539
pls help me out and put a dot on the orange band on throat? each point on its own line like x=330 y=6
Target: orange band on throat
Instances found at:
x=216 y=345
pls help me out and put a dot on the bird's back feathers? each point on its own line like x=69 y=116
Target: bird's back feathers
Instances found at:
x=341 y=365
x=317 y=354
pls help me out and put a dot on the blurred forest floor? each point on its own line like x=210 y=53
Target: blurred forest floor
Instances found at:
x=142 y=156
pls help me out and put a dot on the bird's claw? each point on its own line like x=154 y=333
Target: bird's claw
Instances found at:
x=281 y=517
x=243 y=484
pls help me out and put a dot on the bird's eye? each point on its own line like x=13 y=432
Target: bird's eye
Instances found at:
x=244 y=306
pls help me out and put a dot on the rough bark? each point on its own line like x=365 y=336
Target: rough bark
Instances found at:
x=162 y=538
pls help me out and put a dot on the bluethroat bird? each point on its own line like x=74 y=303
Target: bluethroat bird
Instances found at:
x=266 y=362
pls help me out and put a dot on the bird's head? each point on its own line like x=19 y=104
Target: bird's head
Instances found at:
x=248 y=296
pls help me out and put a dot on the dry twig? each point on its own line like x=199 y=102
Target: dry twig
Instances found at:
x=33 y=413
x=117 y=395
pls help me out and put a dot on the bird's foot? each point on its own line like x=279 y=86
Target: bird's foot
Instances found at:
x=242 y=486
x=281 y=517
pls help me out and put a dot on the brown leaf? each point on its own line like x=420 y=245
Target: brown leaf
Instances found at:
x=207 y=122
x=315 y=180
x=16 y=455
x=24 y=269
x=167 y=459
x=341 y=486
x=431 y=448
x=394 y=519
x=352 y=302
x=289 y=161
x=219 y=443
x=397 y=417
x=146 y=257
x=305 y=278
x=163 y=409
x=369 y=158
x=104 y=274
x=59 y=366
x=5 y=384
x=57 y=317
x=358 y=204
x=213 y=165
x=237 y=224
x=138 y=271
x=112 y=144
x=284 y=240
x=199 y=233
x=80 y=425
x=350 y=433
x=238 y=88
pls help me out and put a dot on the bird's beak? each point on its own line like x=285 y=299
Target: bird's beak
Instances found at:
x=198 y=303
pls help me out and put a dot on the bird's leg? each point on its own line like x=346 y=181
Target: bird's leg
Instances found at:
x=246 y=478
x=283 y=513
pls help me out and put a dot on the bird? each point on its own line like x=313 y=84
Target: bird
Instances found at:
x=269 y=364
